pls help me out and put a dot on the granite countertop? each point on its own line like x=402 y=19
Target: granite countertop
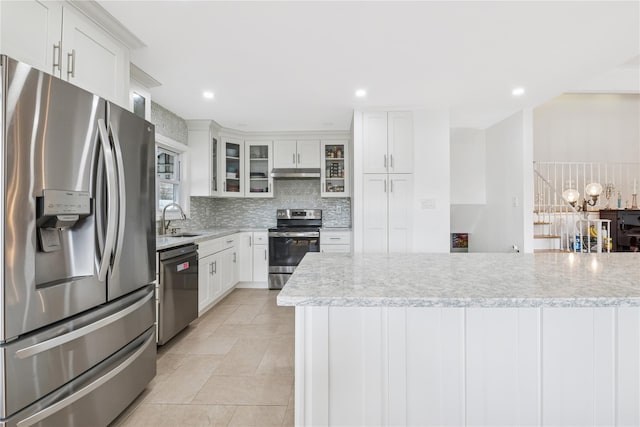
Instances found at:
x=465 y=280
x=167 y=241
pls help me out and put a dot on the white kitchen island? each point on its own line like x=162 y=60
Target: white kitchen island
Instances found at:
x=466 y=339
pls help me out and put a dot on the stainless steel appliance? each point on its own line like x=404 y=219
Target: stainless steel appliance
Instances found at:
x=297 y=232
x=177 y=290
x=77 y=341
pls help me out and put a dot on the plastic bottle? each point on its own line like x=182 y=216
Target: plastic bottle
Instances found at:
x=577 y=246
x=619 y=200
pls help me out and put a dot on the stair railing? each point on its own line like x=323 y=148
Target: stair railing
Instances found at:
x=553 y=212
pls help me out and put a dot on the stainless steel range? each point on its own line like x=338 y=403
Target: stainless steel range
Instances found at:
x=297 y=232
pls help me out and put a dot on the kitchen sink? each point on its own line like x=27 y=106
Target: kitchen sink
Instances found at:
x=182 y=235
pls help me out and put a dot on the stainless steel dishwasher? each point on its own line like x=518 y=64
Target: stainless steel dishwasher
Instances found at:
x=177 y=290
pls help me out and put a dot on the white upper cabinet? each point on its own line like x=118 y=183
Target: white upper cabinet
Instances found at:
x=60 y=40
x=296 y=154
x=388 y=142
x=374 y=142
x=30 y=32
x=400 y=142
x=233 y=167
x=258 y=164
x=335 y=169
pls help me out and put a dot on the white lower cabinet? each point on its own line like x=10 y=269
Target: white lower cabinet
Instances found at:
x=253 y=266
x=217 y=270
x=335 y=241
x=387 y=205
x=260 y=263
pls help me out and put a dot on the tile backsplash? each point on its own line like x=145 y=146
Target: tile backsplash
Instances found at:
x=209 y=212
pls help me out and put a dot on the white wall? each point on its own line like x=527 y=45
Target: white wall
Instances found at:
x=507 y=218
x=431 y=181
x=588 y=128
x=468 y=166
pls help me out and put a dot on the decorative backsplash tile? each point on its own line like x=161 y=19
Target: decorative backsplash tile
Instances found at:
x=209 y=212
x=168 y=124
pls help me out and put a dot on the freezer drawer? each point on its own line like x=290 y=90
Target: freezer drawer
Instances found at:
x=99 y=395
x=43 y=362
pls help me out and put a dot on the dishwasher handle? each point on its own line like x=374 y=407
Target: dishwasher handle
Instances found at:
x=180 y=250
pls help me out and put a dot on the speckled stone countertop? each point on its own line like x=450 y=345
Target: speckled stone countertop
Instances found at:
x=465 y=280
x=169 y=241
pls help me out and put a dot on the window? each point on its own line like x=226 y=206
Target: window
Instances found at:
x=172 y=182
x=168 y=177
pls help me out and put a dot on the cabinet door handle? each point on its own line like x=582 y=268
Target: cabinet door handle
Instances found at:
x=294 y=158
x=298 y=158
x=385 y=185
x=229 y=241
x=210 y=269
x=249 y=241
x=224 y=185
x=385 y=161
x=334 y=238
x=265 y=254
x=215 y=267
x=71 y=64
x=57 y=47
x=391 y=160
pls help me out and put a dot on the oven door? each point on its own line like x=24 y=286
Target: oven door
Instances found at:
x=286 y=250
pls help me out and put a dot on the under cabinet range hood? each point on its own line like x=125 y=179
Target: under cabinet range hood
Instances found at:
x=295 y=173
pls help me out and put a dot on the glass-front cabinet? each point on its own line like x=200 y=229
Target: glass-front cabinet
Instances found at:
x=233 y=167
x=334 y=176
x=258 y=164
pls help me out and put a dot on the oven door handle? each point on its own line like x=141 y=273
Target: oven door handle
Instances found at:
x=294 y=234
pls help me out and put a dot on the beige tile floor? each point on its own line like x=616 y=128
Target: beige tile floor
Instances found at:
x=232 y=366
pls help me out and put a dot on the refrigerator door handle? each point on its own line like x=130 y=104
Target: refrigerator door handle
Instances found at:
x=50 y=410
x=122 y=190
x=85 y=330
x=112 y=200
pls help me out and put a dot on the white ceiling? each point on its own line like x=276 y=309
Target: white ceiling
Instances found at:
x=296 y=65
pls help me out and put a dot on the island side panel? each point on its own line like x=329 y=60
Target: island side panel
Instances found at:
x=502 y=366
x=435 y=366
x=456 y=366
x=628 y=366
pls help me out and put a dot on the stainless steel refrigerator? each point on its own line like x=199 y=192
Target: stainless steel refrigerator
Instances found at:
x=77 y=336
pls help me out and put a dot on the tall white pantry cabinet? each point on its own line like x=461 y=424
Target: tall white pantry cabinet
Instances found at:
x=385 y=151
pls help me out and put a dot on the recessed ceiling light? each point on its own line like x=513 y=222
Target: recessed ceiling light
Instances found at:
x=207 y=94
x=361 y=93
x=519 y=91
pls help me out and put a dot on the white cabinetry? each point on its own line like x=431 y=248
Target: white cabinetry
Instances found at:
x=334 y=169
x=260 y=257
x=296 y=154
x=388 y=142
x=387 y=203
x=60 y=40
x=217 y=270
x=254 y=259
x=232 y=170
x=505 y=366
x=335 y=241
x=258 y=164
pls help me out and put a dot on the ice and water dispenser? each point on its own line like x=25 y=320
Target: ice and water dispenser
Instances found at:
x=65 y=233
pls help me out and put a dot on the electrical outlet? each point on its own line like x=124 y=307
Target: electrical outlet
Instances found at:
x=338 y=209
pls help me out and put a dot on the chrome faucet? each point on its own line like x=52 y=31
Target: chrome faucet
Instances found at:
x=165 y=224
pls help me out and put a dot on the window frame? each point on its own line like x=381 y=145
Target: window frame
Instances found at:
x=180 y=150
